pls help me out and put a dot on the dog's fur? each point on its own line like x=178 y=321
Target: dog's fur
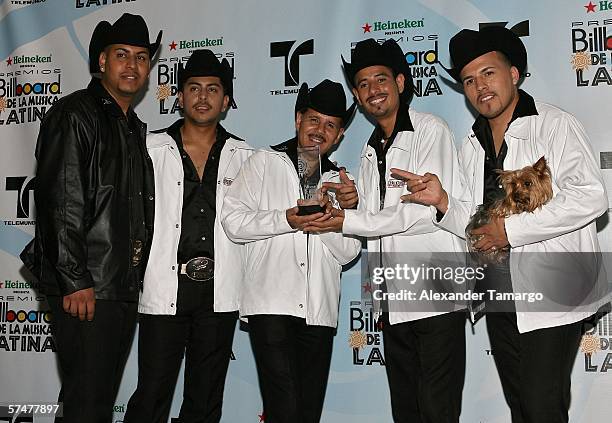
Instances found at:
x=527 y=189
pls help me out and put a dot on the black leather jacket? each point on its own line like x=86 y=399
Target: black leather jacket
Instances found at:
x=84 y=232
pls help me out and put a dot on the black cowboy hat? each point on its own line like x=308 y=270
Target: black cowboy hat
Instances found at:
x=205 y=63
x=128 y=29
x=328 y=98
x=370 y=53
x=468 y=45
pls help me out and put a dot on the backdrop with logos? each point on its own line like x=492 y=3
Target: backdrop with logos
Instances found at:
x=273 y=47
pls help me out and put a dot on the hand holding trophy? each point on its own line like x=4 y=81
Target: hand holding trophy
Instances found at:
x=309 y=172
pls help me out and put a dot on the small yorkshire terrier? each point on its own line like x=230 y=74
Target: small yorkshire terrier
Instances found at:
x=527 y=189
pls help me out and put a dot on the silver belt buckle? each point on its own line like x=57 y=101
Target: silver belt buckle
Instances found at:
x=199 y=269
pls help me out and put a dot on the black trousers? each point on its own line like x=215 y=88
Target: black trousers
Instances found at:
x=92 y=356
x=425 y=364
x=204 y=338
x=293 y=362
x=534 y=367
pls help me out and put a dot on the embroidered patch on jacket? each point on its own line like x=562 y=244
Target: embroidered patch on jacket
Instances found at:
x=395 y=183
x=227 y=181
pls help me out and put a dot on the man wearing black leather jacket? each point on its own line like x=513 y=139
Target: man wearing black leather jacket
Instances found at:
x=94 y=210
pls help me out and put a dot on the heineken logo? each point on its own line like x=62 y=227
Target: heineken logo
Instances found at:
x=393 y=25
x=196 y=44
x=600 y=6
x=27 y=59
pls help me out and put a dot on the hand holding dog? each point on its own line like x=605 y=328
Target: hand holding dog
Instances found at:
x=493 y=235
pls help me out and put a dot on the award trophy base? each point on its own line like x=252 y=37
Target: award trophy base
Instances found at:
x=312 y=209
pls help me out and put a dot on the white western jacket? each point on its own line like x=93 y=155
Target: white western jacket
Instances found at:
x=404 y=232
x=287 y=272
x=565 y=224
x=161 y=282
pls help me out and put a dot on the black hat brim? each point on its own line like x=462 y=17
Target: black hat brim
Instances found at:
x=128 y=29
x=328 y=99
x=389 y=54
x=467 y=45
x=204 y=63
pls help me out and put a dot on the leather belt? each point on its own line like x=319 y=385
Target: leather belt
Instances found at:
x=199 y=269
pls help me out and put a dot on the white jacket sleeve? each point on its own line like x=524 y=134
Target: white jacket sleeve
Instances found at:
x=456 y=218
x=240 y=216
x=581 y=197
x=402 y=219
x=436 y=154
x=344 y=248
x=460 y=202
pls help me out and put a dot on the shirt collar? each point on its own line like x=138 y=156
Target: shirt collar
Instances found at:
x=524 y=107
x=289 y=147
x=96 y=89
x=402 y=123
x=174 y=131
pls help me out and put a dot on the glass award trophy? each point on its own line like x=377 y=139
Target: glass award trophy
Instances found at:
x=309 y=172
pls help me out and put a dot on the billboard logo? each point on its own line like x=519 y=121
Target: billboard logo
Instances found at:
x=23 y=316
x=365 y=338
x=591 y=52
x=27 y=101
x=596 y=345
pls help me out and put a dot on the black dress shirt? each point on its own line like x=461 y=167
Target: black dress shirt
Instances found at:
x=376 y=141
x=199 y=198
x=136 y=157
x=136 y=162
x=402 y=123
x=494 y=162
